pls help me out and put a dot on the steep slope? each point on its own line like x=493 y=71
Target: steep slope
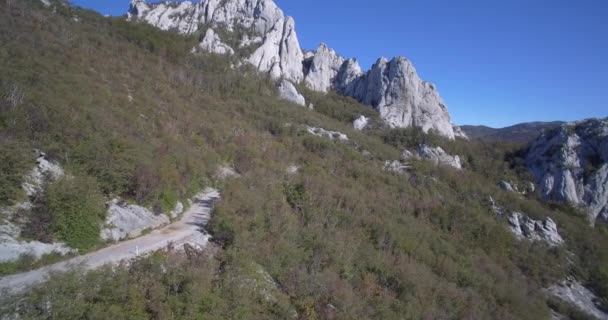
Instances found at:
x=570 y=164
x=391 y=87
x=519 y=133
x=313 y=227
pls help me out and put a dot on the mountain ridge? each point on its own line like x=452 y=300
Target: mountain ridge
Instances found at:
x=519 y=133
x=392 y=87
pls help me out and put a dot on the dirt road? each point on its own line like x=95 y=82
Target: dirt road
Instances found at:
x=189 y=229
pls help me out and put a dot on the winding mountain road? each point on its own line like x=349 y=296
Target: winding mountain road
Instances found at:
x=189 y=229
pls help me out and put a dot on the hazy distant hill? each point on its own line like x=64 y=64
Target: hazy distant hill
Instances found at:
x=520 y=133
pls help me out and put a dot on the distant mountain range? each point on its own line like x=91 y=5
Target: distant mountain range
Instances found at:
x=519 y=133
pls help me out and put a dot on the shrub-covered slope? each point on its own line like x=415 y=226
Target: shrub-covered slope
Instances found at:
x=128 y=111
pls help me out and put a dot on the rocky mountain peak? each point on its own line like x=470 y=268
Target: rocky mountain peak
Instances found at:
x=391 y=86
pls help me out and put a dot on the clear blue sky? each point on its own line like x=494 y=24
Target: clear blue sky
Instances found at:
x=495 y=62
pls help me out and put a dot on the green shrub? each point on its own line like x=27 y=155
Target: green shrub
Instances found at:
x=77 y=209
x=15 y=160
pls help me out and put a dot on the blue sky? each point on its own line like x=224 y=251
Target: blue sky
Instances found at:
x=495 y=62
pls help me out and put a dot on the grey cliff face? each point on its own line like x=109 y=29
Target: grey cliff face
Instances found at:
x=392 y=87
x=402 y=98
x=323 y=69
x=570 y=164
x=278 y=52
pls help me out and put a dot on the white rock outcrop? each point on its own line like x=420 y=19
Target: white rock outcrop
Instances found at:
x=576 y=294
x=436 y=155
x=212 y=43
x=320 y=132
x=361 y=123
x=12 y=249
x=571 y=164
x=44 y=171
x=288 y=92
x=523 y=227
x=391 y=87
x=126 y=221
x=396 y=166
x=526 y=228
x=279 y=53
x=402 y=98
x=505 y=185
x=322 y=69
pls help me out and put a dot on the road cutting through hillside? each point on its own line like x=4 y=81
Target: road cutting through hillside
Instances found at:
x=189 y=229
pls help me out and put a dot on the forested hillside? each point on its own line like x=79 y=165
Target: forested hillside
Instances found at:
x=129 y=111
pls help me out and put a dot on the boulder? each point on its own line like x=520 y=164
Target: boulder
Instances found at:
x=506 y=186
x=124 y=221
x=288 y=92
x=438 y=156
x=361 y=123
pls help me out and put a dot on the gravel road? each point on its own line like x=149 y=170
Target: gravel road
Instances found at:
x=189 y=229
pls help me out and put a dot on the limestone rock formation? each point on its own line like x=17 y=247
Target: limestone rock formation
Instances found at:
x=323 y=68
x=11 y=248
x=523 y=227
x=571 y=164
x=396 y=166
x=575 y=293
x=320 y=132
x=288 y=92
x=361 y=123
x=128 y=221
x=526 y=228
x=212 y=43
x=279 y=52
x=402 y=98
x=505 y=185
x=392 y=87
x=44 y=171
x=436 y=155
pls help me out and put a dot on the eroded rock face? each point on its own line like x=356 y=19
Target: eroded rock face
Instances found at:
x=128 y=221
x=575 y=293
x=402 y=98
x=324 y=67
x=523 y=227
x=392 y=87
x=212 y=43
x=526 y=228
x=279 y=52
x=12 y=249
x=44 y=171
x=570 y=164
x=435 y=155
x=288 y=92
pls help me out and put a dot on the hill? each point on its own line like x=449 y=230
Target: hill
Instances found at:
x=519 y=133
x=319 y=221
